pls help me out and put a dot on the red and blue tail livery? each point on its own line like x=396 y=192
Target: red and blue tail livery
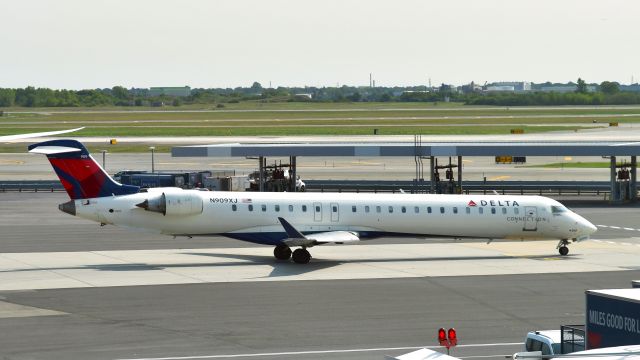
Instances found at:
x=80 y=174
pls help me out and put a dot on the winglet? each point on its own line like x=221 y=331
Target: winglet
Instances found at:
x=38 y=134
x=292 y=232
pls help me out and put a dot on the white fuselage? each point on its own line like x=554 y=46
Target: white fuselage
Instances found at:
x=254 y=216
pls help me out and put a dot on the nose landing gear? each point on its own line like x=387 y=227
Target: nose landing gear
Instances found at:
x=562 y=247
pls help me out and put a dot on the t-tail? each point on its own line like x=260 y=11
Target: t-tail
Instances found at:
x=79 y=173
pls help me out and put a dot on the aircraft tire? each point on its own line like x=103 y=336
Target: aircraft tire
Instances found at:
x=301 y=256
x=282 y=252
x=563 y=250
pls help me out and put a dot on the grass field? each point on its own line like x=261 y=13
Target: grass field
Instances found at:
x=273 y=119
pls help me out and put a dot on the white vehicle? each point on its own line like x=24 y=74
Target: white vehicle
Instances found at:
x=304 y=220
x=626 y=352
x=548 y=342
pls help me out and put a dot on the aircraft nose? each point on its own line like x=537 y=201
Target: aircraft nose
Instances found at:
x=587 y=227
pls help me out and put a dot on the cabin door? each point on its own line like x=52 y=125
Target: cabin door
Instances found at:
x=531 y=218
x=335 y=212
x=317 y=212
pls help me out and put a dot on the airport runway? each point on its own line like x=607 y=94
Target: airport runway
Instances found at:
x=73 y=290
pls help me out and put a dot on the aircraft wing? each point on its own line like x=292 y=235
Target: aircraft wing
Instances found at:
x=296 y=238
x=38 y=134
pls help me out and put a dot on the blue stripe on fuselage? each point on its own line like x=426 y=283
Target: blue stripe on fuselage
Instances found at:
x=276 y=238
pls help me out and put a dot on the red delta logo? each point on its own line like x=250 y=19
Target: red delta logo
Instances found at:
x=471 y=203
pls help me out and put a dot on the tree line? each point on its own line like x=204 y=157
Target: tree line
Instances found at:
x=607 y=93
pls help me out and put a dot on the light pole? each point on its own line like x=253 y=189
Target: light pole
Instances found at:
x=103 y=159
x=153 y=168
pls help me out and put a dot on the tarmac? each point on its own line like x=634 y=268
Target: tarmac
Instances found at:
x=70 y=289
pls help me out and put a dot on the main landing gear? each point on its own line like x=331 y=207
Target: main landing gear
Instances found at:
x=299 y=256
x=282 y=252
x=562 y=247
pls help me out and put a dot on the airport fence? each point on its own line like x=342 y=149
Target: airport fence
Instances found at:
x=30 y=186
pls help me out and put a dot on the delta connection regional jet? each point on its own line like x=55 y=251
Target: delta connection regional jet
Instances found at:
x=304 y=220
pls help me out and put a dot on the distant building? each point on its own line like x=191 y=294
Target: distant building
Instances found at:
x=170 y=91
x=566 y=88
x=500 y=88
x=470 y=88
x=510 y=86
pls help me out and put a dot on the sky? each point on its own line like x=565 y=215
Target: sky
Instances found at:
x=81 y=44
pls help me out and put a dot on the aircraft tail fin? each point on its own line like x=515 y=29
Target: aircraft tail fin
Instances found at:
x=79 y=173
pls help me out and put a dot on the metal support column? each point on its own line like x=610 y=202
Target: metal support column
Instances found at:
x=614 y=193
x=293 y=174
x=261 y=180
x=432 y=180
x=460 y=174
x=633 y=186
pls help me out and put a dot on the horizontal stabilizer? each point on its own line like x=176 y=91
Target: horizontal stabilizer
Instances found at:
x=47 y=150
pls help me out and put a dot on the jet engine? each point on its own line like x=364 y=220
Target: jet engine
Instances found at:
x=174 y=204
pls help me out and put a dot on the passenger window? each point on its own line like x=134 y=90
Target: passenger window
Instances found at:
x=442 y=210
x=366 y=209
x=304 y=208
x=504 y=210
x=317 y=209
x=353 y=209
x=416 y=209
x=516 y=211
x=378 y=209
x=546 y=350
x=493 y=210
x=404 y=209
x=290 y=208
x=480 y=210
x=250 y=207
x=455 y=210
x=390 y=209
x=429 y=209
x=264 y=207
x=468 y=210
x=277 y=208
x=333 y=208
x=234 y=207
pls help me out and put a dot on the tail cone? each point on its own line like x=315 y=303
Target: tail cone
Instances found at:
x=69 y=207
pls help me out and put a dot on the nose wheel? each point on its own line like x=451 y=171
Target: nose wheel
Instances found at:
x=301 y=256
x=563 y=249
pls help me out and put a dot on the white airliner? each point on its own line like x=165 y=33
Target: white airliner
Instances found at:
x=6 y=138
x=304 y=220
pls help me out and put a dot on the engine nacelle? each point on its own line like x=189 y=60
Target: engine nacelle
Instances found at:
x=174 y=204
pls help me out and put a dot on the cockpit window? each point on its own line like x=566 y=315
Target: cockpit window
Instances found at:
x=558 y=209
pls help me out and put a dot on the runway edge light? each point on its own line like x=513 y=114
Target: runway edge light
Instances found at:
x=453 y=337
x=442 y=338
